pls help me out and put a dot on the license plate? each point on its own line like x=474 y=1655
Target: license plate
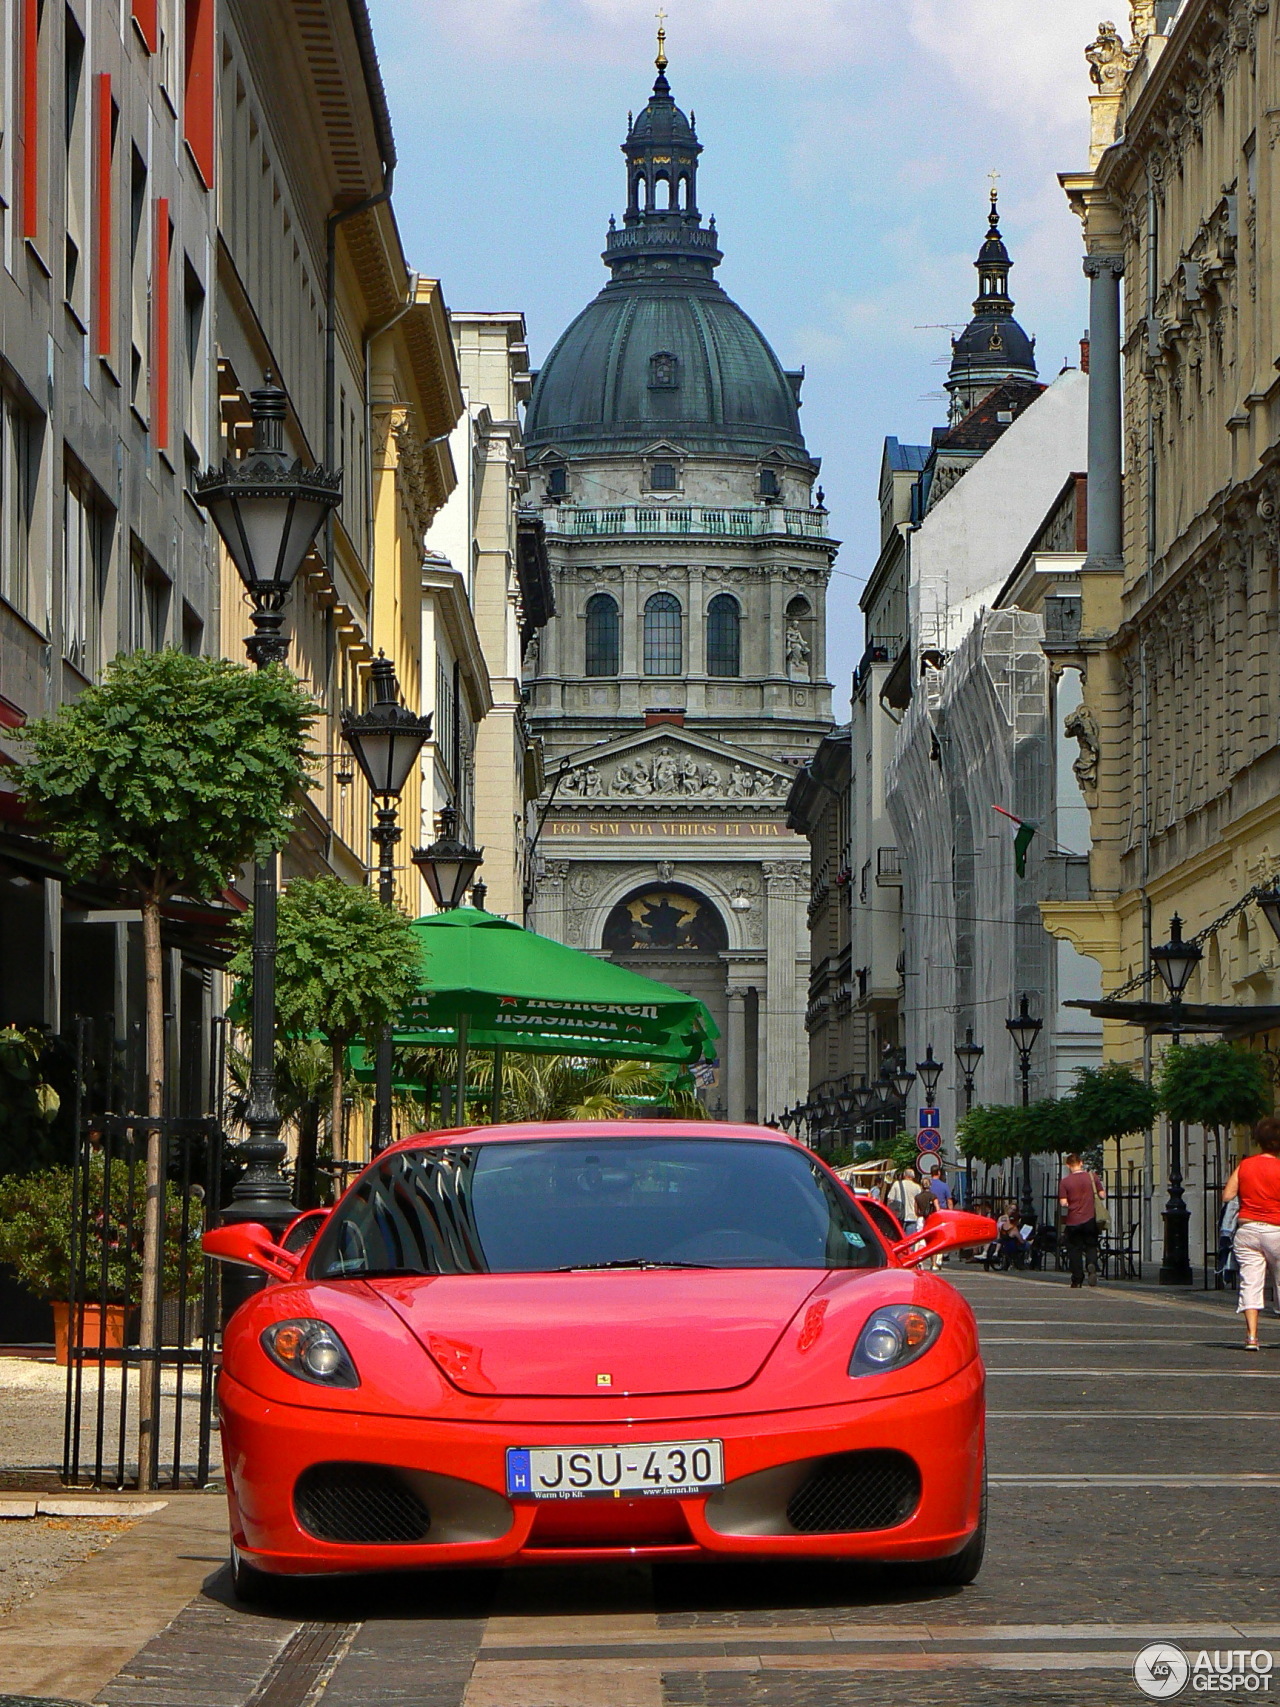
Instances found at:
x=612 y=1472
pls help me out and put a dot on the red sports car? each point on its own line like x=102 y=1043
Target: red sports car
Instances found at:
x=554 y=1343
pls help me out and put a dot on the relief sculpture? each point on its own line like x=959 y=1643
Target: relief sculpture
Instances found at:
x=668 y=775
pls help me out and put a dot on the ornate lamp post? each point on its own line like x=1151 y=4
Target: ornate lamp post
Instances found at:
x=1269 y=901
x=1175 y=963
x=385 y=740
x=448 y=865
x=267 y=509
x=930 y=1071
x=1024 y=1028
x=968 y=1054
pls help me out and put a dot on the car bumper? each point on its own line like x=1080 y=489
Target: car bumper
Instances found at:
x=267 y=1447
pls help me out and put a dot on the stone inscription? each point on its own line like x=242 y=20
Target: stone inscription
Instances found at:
x=666 y=827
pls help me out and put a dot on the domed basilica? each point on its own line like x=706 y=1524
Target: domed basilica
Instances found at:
x=682 y=680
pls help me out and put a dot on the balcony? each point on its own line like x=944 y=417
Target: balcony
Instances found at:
x=766 y=521
x=888 y=868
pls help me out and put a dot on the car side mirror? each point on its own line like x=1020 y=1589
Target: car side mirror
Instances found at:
x=946 y=1230
x=250 y=1243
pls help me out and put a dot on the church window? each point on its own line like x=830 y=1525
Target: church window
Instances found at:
x=724 y=621
x=602 y=635
x=768 y=483
x=662 y=477
x=664 y=371
x=663 y=648
x=666 y=919
x=557 y=481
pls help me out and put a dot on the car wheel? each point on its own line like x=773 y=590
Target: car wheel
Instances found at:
x=251 y=1586
x=962 y=1567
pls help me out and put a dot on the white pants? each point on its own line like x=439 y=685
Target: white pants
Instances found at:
x=1257 y=1248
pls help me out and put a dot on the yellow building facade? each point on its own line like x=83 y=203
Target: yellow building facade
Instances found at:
x=1179 y=608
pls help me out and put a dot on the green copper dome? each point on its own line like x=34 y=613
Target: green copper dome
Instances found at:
x=662 y=353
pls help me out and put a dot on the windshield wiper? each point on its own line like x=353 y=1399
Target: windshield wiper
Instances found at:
x=626 y=1262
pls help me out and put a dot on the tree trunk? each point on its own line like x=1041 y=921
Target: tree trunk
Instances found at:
x=153 y=1226
x=337 y=1137
x=308 y=1196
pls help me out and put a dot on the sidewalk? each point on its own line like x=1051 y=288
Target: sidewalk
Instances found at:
x=76 y=1634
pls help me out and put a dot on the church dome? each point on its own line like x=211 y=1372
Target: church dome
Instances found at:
x=663 y=353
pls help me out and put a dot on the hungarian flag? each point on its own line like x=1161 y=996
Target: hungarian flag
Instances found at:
x=1022 y=834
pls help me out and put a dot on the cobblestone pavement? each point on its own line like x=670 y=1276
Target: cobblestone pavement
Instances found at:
x=1133 y=1454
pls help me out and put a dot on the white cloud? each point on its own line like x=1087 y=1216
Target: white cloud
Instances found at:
x=1022 y=59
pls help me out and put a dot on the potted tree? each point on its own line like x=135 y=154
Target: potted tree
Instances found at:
x=40 y=1222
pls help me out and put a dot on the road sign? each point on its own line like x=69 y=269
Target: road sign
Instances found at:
x=929 y=1118
x=929 y=1142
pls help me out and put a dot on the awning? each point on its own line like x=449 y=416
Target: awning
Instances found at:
x=1158 y=1018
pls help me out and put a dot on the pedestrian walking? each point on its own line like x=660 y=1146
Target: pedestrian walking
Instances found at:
x=1256 y=1182
x=940 y=1191
x=902 y=1198
x=1078 y=1196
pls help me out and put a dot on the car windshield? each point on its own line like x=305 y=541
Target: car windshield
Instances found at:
x=549 y=1205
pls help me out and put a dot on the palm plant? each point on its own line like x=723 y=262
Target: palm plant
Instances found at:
x=552 y=1087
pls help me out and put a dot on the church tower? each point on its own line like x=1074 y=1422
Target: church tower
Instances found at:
x=682 y=681
x=992 y=347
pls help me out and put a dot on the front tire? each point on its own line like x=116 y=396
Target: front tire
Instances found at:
x=251 y=1586
x=961 y=1568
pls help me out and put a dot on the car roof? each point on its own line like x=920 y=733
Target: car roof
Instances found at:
x=595 y=1129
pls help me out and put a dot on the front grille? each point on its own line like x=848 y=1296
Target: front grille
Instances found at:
x=857 y=1490
x=364 y=1503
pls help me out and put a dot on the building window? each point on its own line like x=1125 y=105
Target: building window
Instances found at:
x=724 y=622
x=602 y=635
x=662 y=636
x=86 y=533
x=664 y=371
x=147 y=610
x=662 y=477
x=769 y=487
x=557 y=481
x=20 y=435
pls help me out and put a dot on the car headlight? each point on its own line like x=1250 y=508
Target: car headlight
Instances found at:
x=312 y=1351
x=895 y=1335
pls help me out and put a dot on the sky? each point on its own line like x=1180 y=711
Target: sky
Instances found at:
x=848 y=146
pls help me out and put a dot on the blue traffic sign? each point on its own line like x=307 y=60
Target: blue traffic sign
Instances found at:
x=929 y=1118
x=928 y=1141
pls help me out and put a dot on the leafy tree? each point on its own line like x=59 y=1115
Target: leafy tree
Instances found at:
x=167 y=777
x=345 y=967
x=551 y=1087
x=1111 y=1101
x=29 y=1104
x=302 y=1095
x=1213 y=1085
x=996 y=1132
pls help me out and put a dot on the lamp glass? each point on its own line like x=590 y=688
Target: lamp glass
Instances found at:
x=1176 y=960
x=902 y=1083
x=1024 y=1029
x=1269 y=901
x=930 y=1071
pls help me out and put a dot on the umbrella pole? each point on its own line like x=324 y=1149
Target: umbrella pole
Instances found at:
x=495 y=1112
x=461 y=1115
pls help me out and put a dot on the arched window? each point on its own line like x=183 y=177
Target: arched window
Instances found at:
x=724 y=621
x=602 y=635
x=662 y=637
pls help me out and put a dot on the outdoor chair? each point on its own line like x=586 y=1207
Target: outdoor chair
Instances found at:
x=1118 y=1253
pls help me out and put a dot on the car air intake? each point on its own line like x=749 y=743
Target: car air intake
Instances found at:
x=857 y=1490
x=365 y=1503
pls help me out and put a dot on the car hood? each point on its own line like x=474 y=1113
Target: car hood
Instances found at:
x=606 y=1334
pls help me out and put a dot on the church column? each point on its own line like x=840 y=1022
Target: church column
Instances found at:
x=630 y=621
x=784 y=1019
x=1105 y=537
x=695 y=663
x=549 y=900
x=736 y=1065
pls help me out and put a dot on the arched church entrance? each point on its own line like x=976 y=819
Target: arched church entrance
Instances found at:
x=671 y=932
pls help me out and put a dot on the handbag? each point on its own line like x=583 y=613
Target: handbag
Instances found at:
x=1101 y=1214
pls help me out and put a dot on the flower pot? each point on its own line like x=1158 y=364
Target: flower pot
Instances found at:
x=98 y=1326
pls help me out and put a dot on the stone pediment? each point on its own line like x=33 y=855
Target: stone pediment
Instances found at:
x=668 y=765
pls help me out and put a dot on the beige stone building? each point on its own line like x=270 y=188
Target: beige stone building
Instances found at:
x=1178 y=613
x=488 y=555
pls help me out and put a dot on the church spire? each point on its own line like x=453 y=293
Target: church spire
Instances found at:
x=993 y=347
x=993 y=266
x=661 y=60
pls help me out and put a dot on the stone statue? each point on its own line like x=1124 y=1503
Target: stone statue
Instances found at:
x=739 y=787
x=1109 y=60
x=690 y=777
x=712 y=783
x=641 y=778
x=797 y=653
x=1142 y=20
x=1082 y=724
x=531 y=653
x=592 y=785
x=623 y=782
x=665 y=774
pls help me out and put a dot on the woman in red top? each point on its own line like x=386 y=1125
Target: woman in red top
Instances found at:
x=1257 y=1242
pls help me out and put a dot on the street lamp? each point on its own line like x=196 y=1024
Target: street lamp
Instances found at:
x=1024 y=1029
x=448 y=865
x=968 y=1054
x=267 y=510
x=1175 y=962
x=1269 y=901
x=930 y=1072
x=902 y=1082
x=385 y=740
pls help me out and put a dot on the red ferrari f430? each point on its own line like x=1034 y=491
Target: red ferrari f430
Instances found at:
x=557 y=1343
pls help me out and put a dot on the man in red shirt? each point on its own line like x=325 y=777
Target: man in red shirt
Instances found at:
x=1080 y=1221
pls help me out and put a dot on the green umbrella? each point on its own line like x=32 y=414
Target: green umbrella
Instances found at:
x=488 y=983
